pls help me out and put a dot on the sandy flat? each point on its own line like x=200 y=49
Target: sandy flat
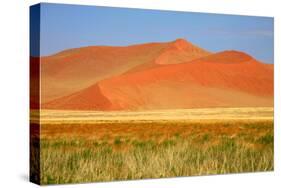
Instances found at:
x=69 y=117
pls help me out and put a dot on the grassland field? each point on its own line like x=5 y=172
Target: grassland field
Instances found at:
x=101 y=146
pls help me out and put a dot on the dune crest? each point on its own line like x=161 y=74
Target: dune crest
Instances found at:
x=180 y=51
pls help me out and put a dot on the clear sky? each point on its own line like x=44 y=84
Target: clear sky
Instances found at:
x=72 y=26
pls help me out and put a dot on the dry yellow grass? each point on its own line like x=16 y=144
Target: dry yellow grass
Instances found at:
x=88 y=117
x=137 y=147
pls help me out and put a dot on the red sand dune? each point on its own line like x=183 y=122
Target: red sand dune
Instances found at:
x=225 y=79
x=72 y=70
x=34 y=92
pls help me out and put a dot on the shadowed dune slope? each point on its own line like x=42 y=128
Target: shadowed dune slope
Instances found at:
x=225 y=79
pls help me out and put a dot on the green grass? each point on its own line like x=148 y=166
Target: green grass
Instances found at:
x=266 y=139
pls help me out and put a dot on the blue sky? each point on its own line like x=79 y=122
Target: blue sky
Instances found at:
x=72 y=26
